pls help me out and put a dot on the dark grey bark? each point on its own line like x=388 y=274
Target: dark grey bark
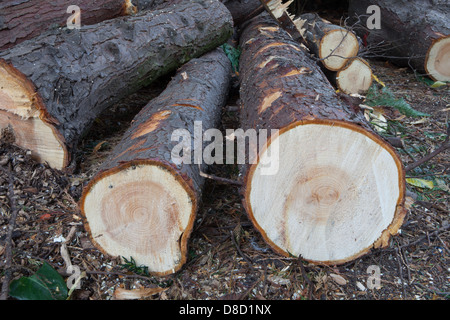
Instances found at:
x=197 y=92
x=24 y=19
x=79 y=73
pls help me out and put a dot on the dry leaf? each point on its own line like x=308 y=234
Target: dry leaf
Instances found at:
x=338 y=279
x=134 y=294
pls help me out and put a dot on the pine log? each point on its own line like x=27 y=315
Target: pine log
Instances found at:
x=355 y=77
x=243 y=10
x=52 y=87
x=24 y=19
x=340 y=188
x=413 y=33
x=142 y=204
x=332 y=44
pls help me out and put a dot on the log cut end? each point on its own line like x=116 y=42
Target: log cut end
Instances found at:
x=355 y=77
x=22 y=111
x=336 y=47
x=338 y=192
x=437 y=63
x=141 y=210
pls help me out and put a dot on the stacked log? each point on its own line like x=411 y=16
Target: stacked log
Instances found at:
x=339 y=189
x=412 y=33
x=53 y=86
x=23 y=20
x=336 y=48
x=142 y=203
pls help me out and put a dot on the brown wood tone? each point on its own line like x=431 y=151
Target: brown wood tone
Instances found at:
x=325 y=187
x=355 y=78
x=332 y=44
x=24 y=19
x=413 y=33
x=52 y=87
x=279 y=11
x=142 y=202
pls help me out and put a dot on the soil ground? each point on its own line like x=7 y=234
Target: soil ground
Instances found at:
x=228 y=258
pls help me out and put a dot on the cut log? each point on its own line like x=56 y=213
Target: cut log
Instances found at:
x=355 y=77
x=413 y=33
x=52 y=87
x=332 y=44
x=340 y=188
x=142 y=203
x=25 y=19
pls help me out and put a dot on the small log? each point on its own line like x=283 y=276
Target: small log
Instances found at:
x=21 y=20
x=141 y=203
x=412 y=33
x=52 y=87
x=326 y=187
x=355 y=78
x=332 y=44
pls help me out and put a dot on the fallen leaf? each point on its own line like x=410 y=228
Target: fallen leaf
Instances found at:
x=338 y=279
x=134 y=294
x=421 y=183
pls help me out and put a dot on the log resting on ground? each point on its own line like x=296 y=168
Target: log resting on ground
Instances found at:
x=142 y=203
x=326 y=187
x=52 y=87
x=413 y=33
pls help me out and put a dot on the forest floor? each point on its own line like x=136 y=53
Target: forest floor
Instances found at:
x=228 y=258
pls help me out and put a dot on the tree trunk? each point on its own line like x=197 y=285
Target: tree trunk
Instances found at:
x=332 y=44
x=142 y=203
x=326 y=187
x=413 y=33
x=53 y=87
x=25 y=19
x=243 y=10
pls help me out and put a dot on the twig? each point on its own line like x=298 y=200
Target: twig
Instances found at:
x=249 y=261
x=219 y=179
x=11 y=227
x=428 y=157
x=305 y=276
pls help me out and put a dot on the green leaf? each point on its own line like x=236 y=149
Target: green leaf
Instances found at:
x=438 y=84
x=385 y=97
x=45 y=284
x=233 y=54
x=421 y=183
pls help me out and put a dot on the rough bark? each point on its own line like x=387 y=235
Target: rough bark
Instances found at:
x=413 y=33
x=332 y=44
x=241 y=10
x=142 y=203
x=59 y=82
x=326 y=187
x=24 y=19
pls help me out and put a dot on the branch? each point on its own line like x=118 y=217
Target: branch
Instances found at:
x=11 y=227
x=433 y=154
